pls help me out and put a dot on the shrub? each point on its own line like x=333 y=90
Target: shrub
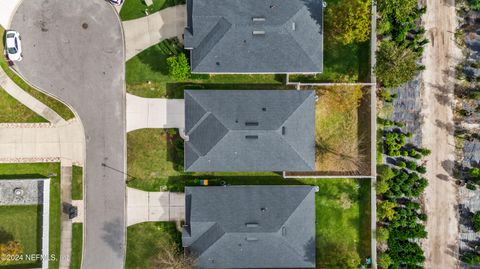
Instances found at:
x=470 y=186
x=422 y=169
x=475 y=4
x=178 y=67
x=425 y=152
x=412 y=165
x=386 y=210
x=382 y=234
x=475 y=173
x=401 y=164
x=476 y=221
x=382 y=186
x=423 y=217
x=384 y=261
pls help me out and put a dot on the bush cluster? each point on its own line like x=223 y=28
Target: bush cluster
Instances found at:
x=402 y=41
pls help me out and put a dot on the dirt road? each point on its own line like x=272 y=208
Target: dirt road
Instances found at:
x=441 y=246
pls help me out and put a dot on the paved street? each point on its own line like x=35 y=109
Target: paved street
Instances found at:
x=74 y=50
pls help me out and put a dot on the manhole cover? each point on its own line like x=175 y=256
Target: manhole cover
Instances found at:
x=84 y=25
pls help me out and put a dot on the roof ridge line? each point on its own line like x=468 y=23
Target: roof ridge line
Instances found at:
x=208 y=37
x=215 y=224
x=289 y=217
x=296 y=41
x=286 y=142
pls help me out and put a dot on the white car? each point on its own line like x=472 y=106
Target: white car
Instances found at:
x=13 y=45
x=116 y=2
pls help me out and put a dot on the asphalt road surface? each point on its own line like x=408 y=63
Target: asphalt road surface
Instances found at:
x=75 y=51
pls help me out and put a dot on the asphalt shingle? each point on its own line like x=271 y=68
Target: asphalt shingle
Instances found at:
x=250 y=226
x=251 y=36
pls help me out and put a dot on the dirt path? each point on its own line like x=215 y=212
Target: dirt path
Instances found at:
x=441 y=246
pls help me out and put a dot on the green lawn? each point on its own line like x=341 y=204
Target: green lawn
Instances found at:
x=54 y=104
x=341 y=63
x=152 y=164
x=42 y=170
x=77 y=183
x=134 y=9
x=14 y=111
x=143 y=242
x=342 y=224
x=147 y=75
x=77 y=243
x=22 y=223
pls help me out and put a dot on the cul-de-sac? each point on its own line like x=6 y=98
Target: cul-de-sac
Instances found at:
x=197 y=134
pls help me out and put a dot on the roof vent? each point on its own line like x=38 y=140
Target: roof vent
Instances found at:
x=251 y=238
x=293 y=26
x=264 y=109
x=257 y=32
x=284 y=231
x=251 y=136
x=258 y=19
x=284 y=130
x=251 y=123
x=251 y=225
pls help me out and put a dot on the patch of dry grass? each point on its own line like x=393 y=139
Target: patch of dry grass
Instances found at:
x=338 y=139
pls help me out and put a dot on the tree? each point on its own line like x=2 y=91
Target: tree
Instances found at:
x=475 y=4
x=396 y=65
x=178 y=67
x=382 y=234
x=382 y=186
x=9 y=248
x=349 y=21
x=386 y=210
x=475 y=173
x=170 y=256
x=476 y=221
x=399 y=10
x=384 y=261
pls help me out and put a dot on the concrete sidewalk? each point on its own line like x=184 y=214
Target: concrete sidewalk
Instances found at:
x=42 y=142
x=145 y=32
x=145 y=206
x=154 y=113
x=7 y=10
x=23 y=97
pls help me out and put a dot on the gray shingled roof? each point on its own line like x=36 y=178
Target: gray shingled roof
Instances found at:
x=250 y=130
x=221 y=36
x=250 y=226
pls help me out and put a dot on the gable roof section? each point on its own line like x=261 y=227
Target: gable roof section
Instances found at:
x=251 y=226
x=249 y=130
x=288 y=39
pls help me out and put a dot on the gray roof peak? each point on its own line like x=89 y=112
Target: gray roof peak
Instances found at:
x=248 y=130
x=273 y=36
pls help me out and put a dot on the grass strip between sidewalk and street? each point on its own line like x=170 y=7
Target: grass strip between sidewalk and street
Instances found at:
x=77 y=246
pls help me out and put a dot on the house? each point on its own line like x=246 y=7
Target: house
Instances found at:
x=249 y=130
x=251 y=36
x=250 y=226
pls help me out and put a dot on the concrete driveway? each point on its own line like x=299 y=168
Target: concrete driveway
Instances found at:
x=145 y=32
x=145 y=206
x=154 y=113
x=75 y=51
